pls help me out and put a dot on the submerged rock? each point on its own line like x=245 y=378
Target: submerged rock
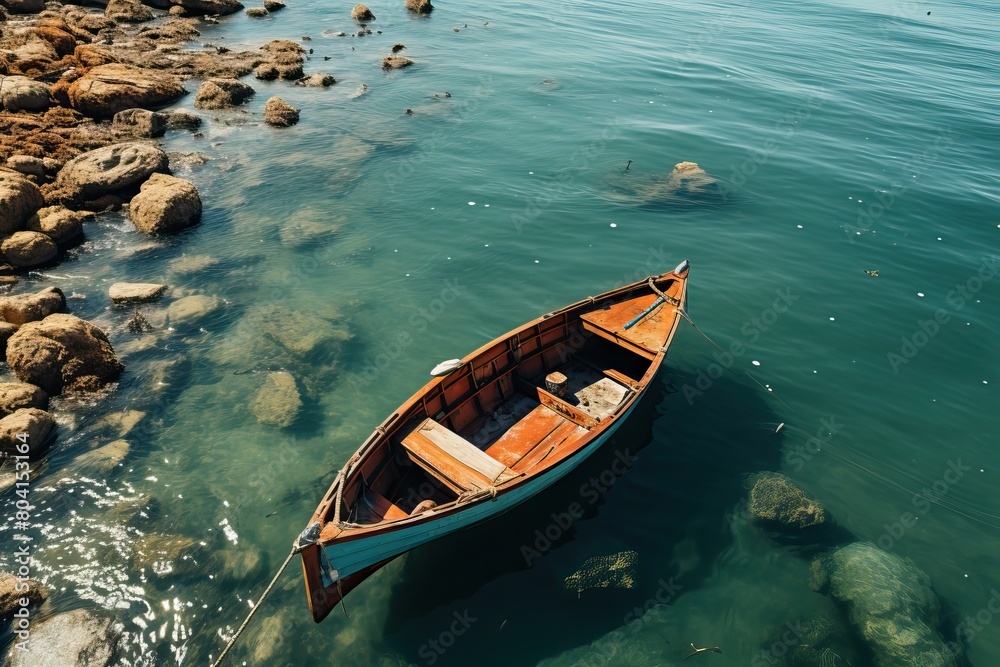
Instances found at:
x=104 y=459
x=163 y=554
x=280 y=113
x=77 y=638
x=686 y=183
x=63 y=353
x=611 y=571
x=776 y=500
x=889 y=602
x=24 y=308
x=191 y=309
x=119 y=424
x=820 y=641
x=17 y=395
x=165 y=205
x=317 y=80
x=278 y=402
x=419 y=6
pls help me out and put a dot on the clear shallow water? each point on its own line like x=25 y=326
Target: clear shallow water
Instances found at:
x=849 y=138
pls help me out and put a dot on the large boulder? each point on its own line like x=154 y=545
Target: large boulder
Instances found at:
x=24 y=308
x=121 y=167
x=140 y=123
x=165 y=204
x=128 y=11
x=775 y=500
x=27 y=165
x=63 y=353
x=29 y=426
x=105 y=90
x=19 y=93
x=889 y=602
x=220 y=93
x=209 y=6
x=76 y=638
x=280 y=113
x=58 y=223
x=19 y=199
x=17 y=395
x=57 y=34
x=278 y=402
x=24 y=249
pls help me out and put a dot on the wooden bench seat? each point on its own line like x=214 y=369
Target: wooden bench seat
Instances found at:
x=540 y=430
x=453 y=460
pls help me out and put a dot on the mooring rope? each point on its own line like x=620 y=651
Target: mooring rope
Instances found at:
x=254 y=609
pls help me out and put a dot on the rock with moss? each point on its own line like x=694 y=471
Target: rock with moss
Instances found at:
x=17 y=395
x=13 y=591
x=164 y=555
x=277 y=403
x=774 y=499
x=616 y=570
x=78 y=638
x=890 y=604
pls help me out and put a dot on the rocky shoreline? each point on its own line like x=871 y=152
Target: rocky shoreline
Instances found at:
x=81 y=94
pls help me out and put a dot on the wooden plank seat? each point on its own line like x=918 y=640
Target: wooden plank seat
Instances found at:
x=453 y=460
x=374 y=507
x=540 y=430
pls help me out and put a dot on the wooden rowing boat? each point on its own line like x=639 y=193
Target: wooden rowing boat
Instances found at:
x=496 y=428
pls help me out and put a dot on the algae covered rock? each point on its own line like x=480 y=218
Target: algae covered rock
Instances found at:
x=889 y=602
x=776 y=500
x=611 y=571
x=73 y=639
x=278 y=401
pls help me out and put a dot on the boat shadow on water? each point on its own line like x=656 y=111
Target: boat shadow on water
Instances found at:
x=669 y=506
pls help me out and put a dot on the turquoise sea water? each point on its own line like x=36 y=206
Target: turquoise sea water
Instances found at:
x=847 y=137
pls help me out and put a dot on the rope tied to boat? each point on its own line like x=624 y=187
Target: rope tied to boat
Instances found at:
x=253 y=610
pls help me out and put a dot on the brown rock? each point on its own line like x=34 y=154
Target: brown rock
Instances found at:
x=125 y=293
x=273 y=5
x=24 y=6
x=221 y=7
x=57 y=36
x=178 y=119
x=128 y=11
x=256 y=12
x=24 y=308
x=28 y=249
x=26 y=426
x=317 y=81
x=104 y=459
x=27 y=165
x=140 y=123
x=221 y=93
x=6 y=331
x=91 y=55
x=63 y=353
x=278 y=401
x=165 y=204
x=395 y=62
x=12 y=591
x=361 y=13
x=776 y=500
x=73 y=639
x=107 y=89
x=107 y=170
x=19 y=93
x=58 y=223
x=279 y=113
x=17 y=395
x=419 y=6
x=19 y=199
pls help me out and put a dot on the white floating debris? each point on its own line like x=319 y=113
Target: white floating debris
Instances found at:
x=920 y=294
x=531 y=173
x=614 y=224
x=230 y=533
x=799 y=226
x=833 y=319
x=472 y=203
x=226 y=503
x=985 y=382
x=780 y=426
x=755 y=362
x=536 y=261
